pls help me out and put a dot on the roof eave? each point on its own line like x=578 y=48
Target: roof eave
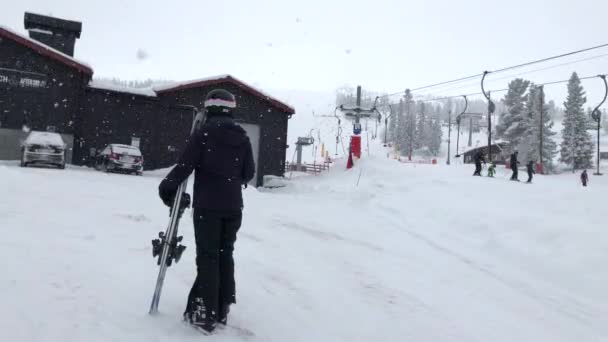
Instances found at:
x=285 y=108
x=45 y=51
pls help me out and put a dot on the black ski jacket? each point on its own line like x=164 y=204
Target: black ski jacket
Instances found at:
x=479 y=158
x=220 y=154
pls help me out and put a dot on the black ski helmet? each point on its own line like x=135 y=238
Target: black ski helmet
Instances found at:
x=220 y=101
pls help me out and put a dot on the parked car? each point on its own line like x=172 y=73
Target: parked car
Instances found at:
x=43 y=148
x=120 y=158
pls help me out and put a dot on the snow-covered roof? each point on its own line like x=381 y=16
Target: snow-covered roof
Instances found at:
x=40 y=31
x=44 y=138
x=46 y=50
x=189 y=83
x=105 y=85
x=126 y=149
x=221 y=79
x=167 y=87
x=500 y=145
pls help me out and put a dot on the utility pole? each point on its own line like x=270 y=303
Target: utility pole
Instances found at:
x=449 y=133
x=490 y=111
x=470 y=131
x=458 y=135
x=458 y=119
x=412 y=124
x=491 y=108
x=596 y=115
x=542 y=126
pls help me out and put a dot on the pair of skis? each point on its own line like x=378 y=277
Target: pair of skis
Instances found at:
x=168 y=246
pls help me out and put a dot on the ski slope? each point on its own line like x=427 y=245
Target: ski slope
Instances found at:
x=413 y=253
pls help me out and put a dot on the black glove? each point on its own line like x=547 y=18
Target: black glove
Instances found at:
x=185 y=202
x=166 y=191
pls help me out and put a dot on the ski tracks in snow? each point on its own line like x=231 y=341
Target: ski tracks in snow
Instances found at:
x=586 y=315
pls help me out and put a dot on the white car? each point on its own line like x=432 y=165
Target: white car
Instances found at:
x=121 y=158
x=43 y=148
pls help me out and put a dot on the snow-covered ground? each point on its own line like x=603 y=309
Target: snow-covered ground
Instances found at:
x=411 y=253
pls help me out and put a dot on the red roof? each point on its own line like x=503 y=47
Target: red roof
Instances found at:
x=46 y=51
x=224 y=79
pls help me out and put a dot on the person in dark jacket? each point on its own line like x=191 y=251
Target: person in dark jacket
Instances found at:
x=530 y=168
x=514 y=163
x=221 y=157
x=584 y=178
x=479 y=158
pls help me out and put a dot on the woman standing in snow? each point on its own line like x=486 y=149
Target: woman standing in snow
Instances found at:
x=221 y=156
x=584 y=178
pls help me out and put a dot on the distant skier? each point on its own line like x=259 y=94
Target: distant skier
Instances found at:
x=514 y=163
x=479 y=158
x=492 y=169
x=220 y=154
x=584 y=178
x=530 y=167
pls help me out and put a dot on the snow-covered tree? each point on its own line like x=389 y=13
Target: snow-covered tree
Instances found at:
x=529 y=147
x=577 y=145
x=421 y=136
x=392 y=124
x=407 y=125
x=511 y=124
x=436 y=133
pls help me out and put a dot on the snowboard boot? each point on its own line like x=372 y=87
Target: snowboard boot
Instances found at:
x=222 y=317
x=200 y=318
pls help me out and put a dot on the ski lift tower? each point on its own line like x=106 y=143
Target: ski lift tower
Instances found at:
x=302 y=141
x=355 y=114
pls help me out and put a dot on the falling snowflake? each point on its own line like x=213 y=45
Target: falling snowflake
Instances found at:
x=142 y=55
x=348 y=51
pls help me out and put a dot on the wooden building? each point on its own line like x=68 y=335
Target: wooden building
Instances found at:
x=42 y=87
x=499 y=154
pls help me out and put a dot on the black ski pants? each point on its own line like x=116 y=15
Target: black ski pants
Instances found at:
x=529 y=177
x=514 y=176
x=477 y=169
x=215 y=234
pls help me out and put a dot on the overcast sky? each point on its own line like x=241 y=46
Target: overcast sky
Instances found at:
x=319 y=45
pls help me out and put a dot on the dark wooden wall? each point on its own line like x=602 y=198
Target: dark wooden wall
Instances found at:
x=114 y=118
x=250 y=109
x=56 y=104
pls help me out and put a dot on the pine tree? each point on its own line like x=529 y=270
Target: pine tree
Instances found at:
x=436 y=134
x=577 y=145
x=392 y=126
x=530 y=145
x=421 y=126
x=407 y=125
x=401 y=135
x=512 y=123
